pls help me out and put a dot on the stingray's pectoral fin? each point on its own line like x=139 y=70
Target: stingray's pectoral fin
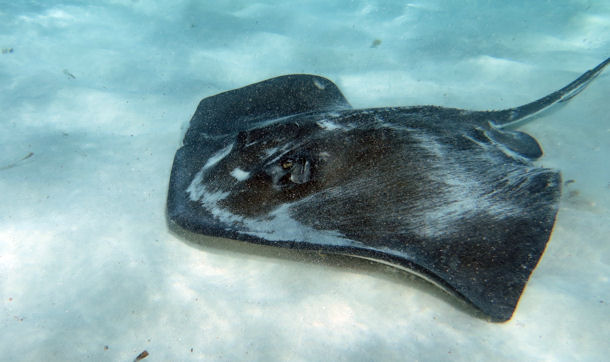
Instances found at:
x=489 y=261
x=240 y=109
x=512 y=117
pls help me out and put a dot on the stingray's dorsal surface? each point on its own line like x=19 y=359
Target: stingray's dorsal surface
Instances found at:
x=445 y=193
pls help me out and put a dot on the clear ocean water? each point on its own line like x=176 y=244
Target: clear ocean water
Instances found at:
x=94 y=98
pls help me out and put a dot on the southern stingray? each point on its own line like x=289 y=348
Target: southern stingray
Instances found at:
x=448 y=194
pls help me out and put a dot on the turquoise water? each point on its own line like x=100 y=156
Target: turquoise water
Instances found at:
x=94 y=100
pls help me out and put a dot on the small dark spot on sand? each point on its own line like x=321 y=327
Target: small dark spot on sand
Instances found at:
x=105 y=348
x=141 y=356
x=7 y=50
x=68 y=74
x=17 y=162
x=570 y=181
x=376 y=43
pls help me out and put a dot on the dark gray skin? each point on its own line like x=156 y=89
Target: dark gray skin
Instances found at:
x=383 y=169
x=449 y=194
x=323 y=160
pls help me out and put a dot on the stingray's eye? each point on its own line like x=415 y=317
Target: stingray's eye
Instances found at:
x=287 y=164
x=290 y=172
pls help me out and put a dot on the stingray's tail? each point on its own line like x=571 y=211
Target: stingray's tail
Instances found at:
x=512 y=116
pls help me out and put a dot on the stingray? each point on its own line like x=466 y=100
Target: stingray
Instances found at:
x=448 y=194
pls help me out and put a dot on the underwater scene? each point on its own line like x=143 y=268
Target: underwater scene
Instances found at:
x=308 y=180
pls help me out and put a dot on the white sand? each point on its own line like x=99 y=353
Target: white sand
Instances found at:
x=99 y=94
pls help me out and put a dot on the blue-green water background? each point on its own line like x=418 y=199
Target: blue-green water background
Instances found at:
x=98 y=93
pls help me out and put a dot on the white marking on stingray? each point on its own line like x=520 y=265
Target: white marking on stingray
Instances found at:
x=282 y=227
x=195 y=190
x=275 y=226
x=271 y=121
x=329 y=125
x=464 y=195
x=213 y=197
x=240 y=175
x=198 y=192
x=218 y=156
x=318 y=84
x=209 y=201
x=270 y=151
x=289 y=146
x=324 y=155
